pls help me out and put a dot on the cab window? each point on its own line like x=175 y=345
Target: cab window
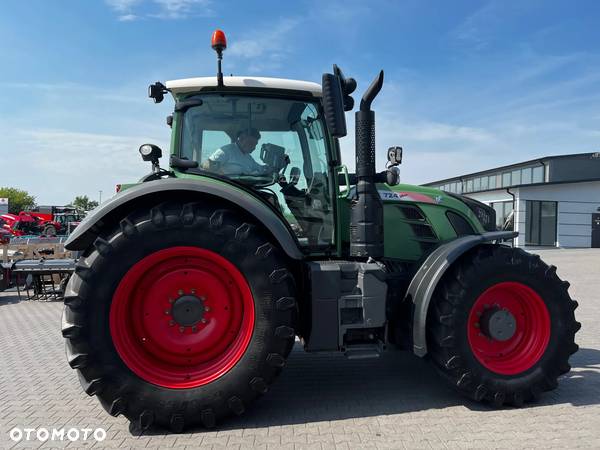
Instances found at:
x=276 y=146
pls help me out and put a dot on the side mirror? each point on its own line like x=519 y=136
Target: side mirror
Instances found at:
x=150 y=152
x=393 y=176
x=394 y=155
x=333 y=105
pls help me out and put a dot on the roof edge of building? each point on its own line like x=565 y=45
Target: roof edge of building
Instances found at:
x=540 y=160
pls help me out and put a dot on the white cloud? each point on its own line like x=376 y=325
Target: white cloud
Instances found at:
x=266 y=48
x=479 y=29
x=130 y=10
x=90 y=92
x=55 y=165
x=127 y=18
x=180 y=9
x=122 y=6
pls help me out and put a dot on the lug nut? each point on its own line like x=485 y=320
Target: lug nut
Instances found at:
x=202 y=298
x=180 y=291
x=171 y=300
x=194 y=329
x=171 y=323
x=207 y=308
x=181 y=329
x=193 y=291
x=204 y=320
x=167 y=311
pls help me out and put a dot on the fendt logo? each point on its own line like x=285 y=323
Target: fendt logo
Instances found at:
x=57 y=434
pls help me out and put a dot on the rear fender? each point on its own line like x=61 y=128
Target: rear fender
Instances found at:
x=423 y=284
x=125 y=202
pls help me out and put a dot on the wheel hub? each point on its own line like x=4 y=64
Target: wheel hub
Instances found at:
x=188 y=310
x=498 y=324
x=182 y=317
x=508 y=328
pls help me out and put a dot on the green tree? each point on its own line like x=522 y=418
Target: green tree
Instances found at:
x=83 y=202
x=18 y=200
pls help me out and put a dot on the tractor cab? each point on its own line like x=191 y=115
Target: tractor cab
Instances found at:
x=264 y=138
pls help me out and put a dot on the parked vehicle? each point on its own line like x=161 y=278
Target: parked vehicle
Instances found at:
x=61 y=220
x=26 y=223
x=58 y=219
x=195 y=281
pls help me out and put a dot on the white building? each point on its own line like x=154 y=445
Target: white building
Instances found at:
x=555 y=200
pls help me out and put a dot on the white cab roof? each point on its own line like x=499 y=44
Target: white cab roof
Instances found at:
x=195 y=84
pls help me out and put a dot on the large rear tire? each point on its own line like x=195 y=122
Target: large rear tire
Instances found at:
x=181 y=316
x=501 y=326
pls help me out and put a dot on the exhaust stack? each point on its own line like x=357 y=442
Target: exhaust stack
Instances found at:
x=366 y=227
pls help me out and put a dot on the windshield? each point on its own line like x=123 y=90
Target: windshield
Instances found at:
x=276 y=146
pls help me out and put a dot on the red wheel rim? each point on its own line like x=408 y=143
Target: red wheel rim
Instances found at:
x=154 y=332
x=531 y=332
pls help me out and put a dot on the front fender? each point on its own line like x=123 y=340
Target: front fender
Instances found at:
x=424 y=282
x=125 y=202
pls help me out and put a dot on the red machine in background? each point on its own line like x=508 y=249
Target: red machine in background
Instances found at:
x=45 y=221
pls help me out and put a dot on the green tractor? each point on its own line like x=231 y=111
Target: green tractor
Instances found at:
x=194 y=283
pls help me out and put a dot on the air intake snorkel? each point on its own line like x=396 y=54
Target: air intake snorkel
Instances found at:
x=366 y=228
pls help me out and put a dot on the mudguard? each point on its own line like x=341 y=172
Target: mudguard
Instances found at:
x=123 y=203
x=424 y=282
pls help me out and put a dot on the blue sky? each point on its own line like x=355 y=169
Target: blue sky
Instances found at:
x=468 y=85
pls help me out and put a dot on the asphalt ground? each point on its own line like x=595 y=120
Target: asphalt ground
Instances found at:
x=320 y=400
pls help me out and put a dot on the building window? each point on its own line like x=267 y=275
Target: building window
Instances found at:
x=506 y=179
x=538 y=174
x=526 y=175
x=503 y=214
x=540 y=223
x=477 y=184
x=492 y=182
x=484 y=183
x=516 y=177
x=469 y=186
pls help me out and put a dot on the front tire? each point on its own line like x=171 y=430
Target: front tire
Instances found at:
x=501 y=326
x=181 y=316
x=50 y=230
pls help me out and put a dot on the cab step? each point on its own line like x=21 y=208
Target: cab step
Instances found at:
x=363 y=351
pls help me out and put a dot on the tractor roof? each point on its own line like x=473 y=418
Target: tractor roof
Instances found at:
x=197 y=84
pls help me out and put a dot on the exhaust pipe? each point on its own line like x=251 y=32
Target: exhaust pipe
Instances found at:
x=366 y=226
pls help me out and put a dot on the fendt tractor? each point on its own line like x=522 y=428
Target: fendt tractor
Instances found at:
x=194 y=283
